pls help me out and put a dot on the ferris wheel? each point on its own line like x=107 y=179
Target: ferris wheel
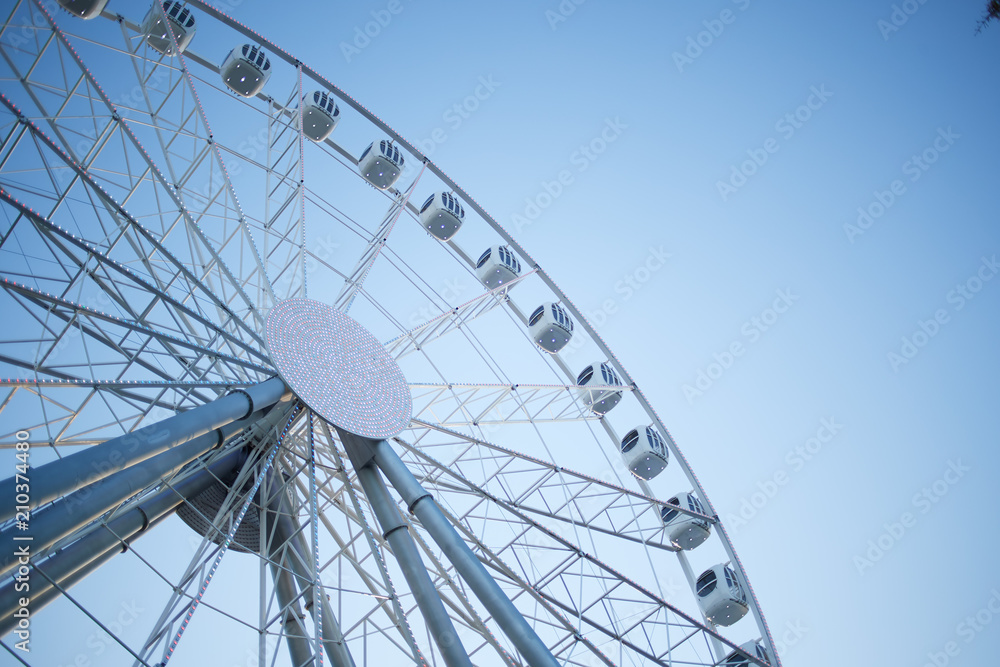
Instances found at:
x=271 y=373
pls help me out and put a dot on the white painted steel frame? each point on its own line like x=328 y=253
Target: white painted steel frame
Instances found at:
x=225 y=327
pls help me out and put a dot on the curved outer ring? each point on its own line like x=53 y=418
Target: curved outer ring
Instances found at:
x=643 y=401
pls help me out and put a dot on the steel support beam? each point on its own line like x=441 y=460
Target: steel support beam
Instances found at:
x=66 y=475
x=70 y=513
x=109 y=539
x=52 y=593
x=425 y=508
x=396 y=533
x=299 y=647
x=279 y=520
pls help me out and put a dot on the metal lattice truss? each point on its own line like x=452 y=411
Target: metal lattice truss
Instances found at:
x=415 y=339
x=459 y=405
x=149 y=220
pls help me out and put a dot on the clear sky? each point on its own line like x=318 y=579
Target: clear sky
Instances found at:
x=817 y=186
x=842 y=103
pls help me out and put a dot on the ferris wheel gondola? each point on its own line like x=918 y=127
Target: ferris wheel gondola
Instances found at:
x=84 y=9
x=330 y=446
x=246 y=70
x=179 y=26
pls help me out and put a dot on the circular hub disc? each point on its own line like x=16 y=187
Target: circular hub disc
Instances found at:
x=338 y=368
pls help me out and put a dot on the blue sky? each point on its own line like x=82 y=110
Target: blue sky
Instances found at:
x=891 y=95
x=734 y=143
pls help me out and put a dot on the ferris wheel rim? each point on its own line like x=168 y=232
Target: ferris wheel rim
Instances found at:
x=513 y=243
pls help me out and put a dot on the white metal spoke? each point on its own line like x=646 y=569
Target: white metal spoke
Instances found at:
x=415 y=339
x=143 y=236
x=604 y=579
x=402 y=624
x=355 y=280
x=592 y=504
x=152 y=218
x=458 y=405
x=97 y=97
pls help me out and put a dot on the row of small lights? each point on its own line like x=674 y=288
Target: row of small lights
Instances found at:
x=107 y=196
x=129 y=324
x=218 y=153
x=378 y=554
x=509 y=238
x=98 y=383
x=314 y=518
x=135 y=140
x=546 y=464
x=496 y=556
x=482 y=212
x=232 y=532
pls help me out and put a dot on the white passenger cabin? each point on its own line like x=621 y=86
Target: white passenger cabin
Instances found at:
x=442 y=215
x=85 y=9
x=685 y=531
x=755 y=649
x=497 y=266
x=720 y=596
x=381 y=164
x=181 y=20
x=644 y=452
x=550 y=327
x=320 y=114
x=599 y=374
x=245 y=70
